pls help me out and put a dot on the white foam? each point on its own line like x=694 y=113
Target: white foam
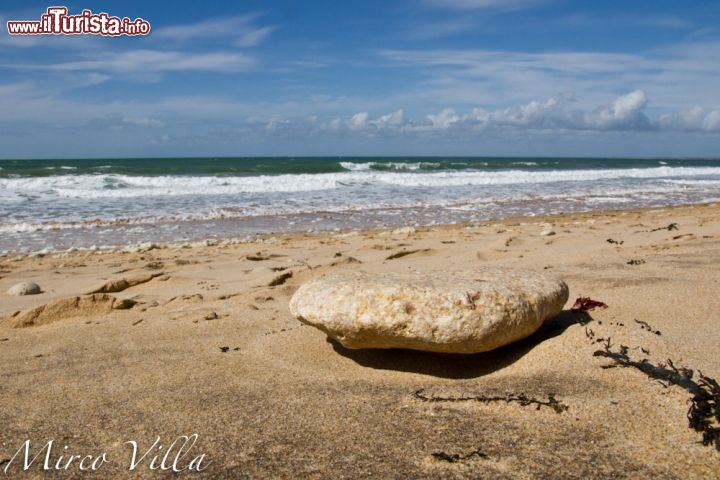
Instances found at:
x=400 y=166
x=28 y=227
x=128 y=204
x=127 y=186
x=124 y=186
x=356 y=167
x=332 y=203
x=514 y=177
x=690 y=181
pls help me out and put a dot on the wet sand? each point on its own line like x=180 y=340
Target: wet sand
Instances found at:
x=206 y=346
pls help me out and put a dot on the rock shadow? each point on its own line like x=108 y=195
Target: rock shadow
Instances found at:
x=460 y=366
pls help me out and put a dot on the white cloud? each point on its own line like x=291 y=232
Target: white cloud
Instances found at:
x=535 y=114
x=154 y=61
x=562 y=113
x=664 y=22
x=22 y=41
x=253 y=37
x=395 y=119
x=624 y=113
x=143 y=122
x=675 y=77
x=499 y=62
x=443 y=28
x=692 y=119
x=484 y=4
x=240 y=28
x=335 y=125
x=358 y=121
x=362 y=122
x=712 y=121
x=443 y=120
x=14 y=89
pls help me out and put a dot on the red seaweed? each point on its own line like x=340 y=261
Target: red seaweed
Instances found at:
x=584 y=304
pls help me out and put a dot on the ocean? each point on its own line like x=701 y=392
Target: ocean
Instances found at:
x=86 y=203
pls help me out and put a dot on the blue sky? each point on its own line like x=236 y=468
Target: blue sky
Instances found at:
x=423 y=77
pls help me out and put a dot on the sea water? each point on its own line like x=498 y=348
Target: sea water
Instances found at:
x=60 y=204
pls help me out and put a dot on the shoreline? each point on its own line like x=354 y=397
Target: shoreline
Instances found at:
x=130 y=202
x=205 y=344
x=215 y=240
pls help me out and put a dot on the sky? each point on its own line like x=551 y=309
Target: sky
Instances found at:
x=350 y=78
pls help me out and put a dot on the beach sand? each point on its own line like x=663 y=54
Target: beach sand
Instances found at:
x=211 y=349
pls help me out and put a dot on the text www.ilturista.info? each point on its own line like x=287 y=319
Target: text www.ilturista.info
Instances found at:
x=57 y=22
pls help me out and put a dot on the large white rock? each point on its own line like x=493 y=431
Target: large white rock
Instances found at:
x=439 y=311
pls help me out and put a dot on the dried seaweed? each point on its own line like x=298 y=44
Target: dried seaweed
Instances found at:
x=615 y=242
x=520 y=398
x=672 y=226
x=589 y=333
x=455 y=457
x=704 y=412
x=584 y=304
x=635 y=262
x=685 y=235
x=280 y=279
x=646 y=326
x=704 y=408
x=403 y=253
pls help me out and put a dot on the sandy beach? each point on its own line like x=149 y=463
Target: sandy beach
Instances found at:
x=205 y=345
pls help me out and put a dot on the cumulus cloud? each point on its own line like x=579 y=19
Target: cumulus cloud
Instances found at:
x=358 y=121
x=624 y=113
x=547 y=114
x=443 y=120
x=395 y=119
x=559 y=113
x=693 y=119
x=362 y=121
x=712 y=121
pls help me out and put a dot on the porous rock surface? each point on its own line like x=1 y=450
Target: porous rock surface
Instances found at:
x=438 y=311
